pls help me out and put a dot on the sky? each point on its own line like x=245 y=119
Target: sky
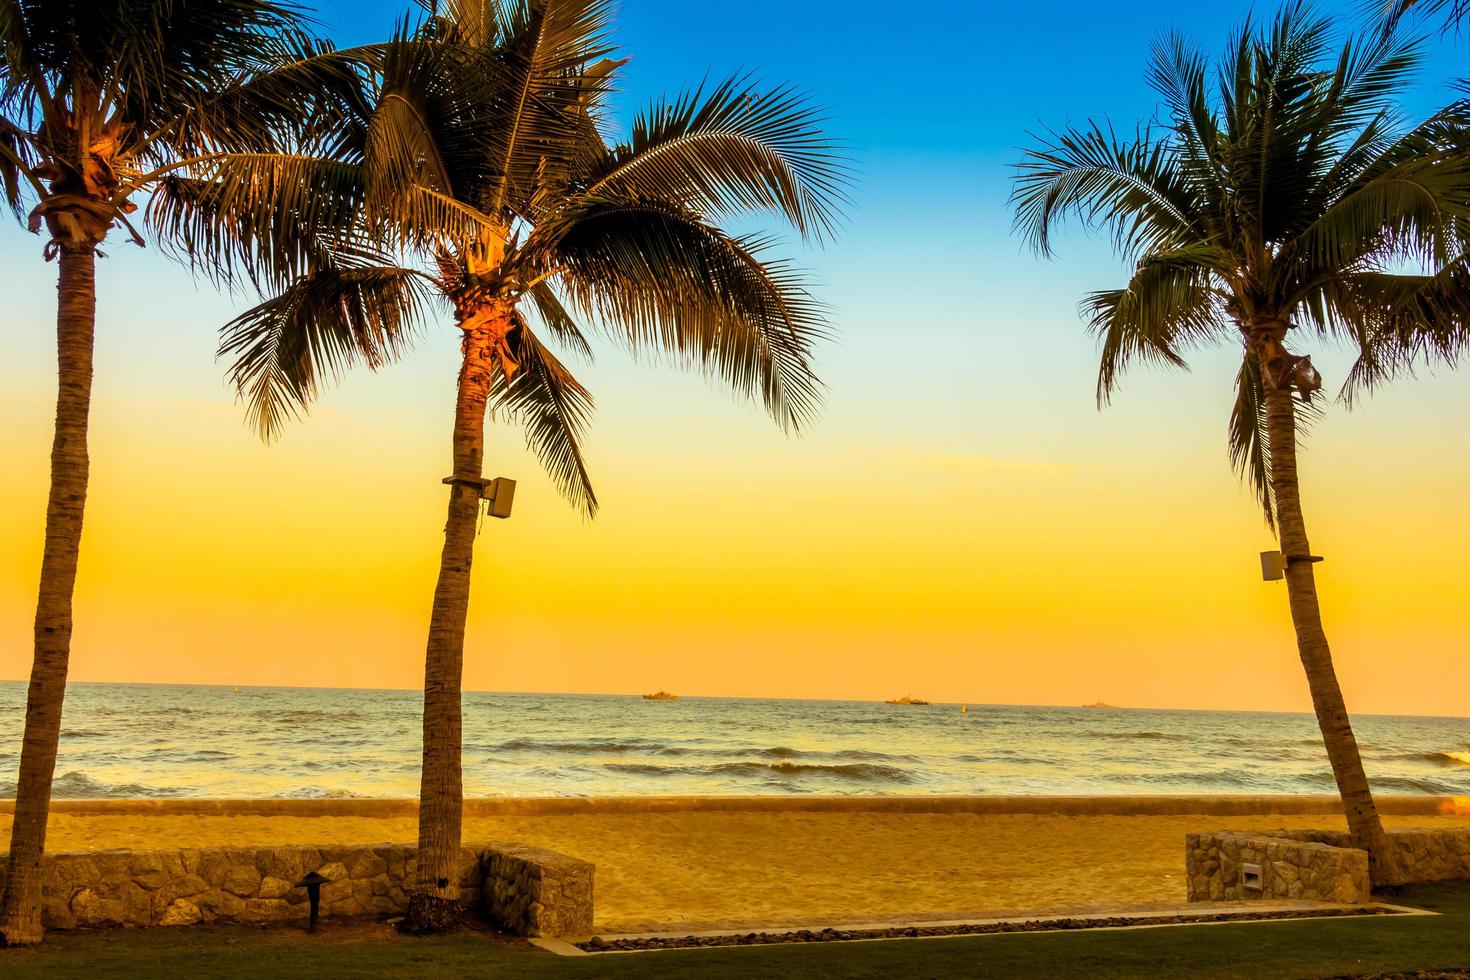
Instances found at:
x=962 y=523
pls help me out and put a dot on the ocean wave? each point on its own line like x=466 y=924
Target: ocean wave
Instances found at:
x=589 y=748
x=857 y=772
x=1233 y=778
x=307 y=716
x=1006 y=756
x=1437 y=758
x=319 y=793
x=658 y=748
x=780 y=752
x=1144 y=736
x=79 y=786
x=1397 y=784
x=1409 y=784
x=1450 y=758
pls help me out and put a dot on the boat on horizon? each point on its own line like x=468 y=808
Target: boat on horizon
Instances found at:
x=907 y=699
x=661 y=696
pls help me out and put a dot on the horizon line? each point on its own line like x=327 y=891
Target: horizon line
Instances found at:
x=736 y=697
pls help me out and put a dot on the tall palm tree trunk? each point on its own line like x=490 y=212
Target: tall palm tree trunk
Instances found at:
x=434 y=905
x=1364 y=826
x=76 y=311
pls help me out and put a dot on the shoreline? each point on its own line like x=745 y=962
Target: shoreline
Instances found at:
x=693 y=863
x=1078 y=805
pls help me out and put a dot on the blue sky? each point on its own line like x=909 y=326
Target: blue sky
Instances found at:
x=960 y=400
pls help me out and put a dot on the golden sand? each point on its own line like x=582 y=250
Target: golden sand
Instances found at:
x=717 y=869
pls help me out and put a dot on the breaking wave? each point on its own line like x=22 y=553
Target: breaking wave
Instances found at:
x=857 y=772
x=79 y=786
x=1144 y=736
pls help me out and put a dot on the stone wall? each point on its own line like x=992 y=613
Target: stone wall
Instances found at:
x=1214 y=868
x=1315 y=864
x=1425 y=854
x=534 y=892
x=542 y=890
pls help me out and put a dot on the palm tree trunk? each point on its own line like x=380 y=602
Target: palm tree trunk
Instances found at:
x=434 y=905
x=1364 y=826
x=76 y=311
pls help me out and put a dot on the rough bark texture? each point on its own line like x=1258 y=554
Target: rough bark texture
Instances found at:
x=1364 y=825
x=20 y=911
x=433 y=907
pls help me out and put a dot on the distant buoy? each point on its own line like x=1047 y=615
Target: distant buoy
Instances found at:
x=964 y=709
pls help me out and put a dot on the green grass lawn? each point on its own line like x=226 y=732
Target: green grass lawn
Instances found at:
x=1278 y=949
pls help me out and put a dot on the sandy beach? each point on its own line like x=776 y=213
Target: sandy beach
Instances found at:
x=697 y=868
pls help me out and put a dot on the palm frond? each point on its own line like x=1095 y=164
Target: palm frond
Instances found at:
x=734 y=151
x=666 y=281
x=16 y=161
x=1409 y=203
x=285 y=349
x=1168 y=306
x=266 y=218
x=1398 y=321
x=298 y=92
x=552 y=53
x=559 y=323
x=1249 y=438
x=1393 y=12
x=1133 y=188
x=1249 y=442
x=554 y=409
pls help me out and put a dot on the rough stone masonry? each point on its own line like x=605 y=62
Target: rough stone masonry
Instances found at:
x=526 y=891
x=1315 y=865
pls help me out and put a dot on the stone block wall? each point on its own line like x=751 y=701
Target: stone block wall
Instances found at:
x=1315 y=864
x=97 y=889
x=1441 y=854
x=534 y=892
x=1295 y=869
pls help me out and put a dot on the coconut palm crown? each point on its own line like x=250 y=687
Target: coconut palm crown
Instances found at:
x=103 y=104
x=1282 y=198
x=484 y=182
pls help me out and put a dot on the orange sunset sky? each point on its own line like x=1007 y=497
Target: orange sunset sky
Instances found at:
x=962 y=523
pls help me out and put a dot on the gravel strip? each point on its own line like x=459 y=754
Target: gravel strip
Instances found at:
x=599 y=945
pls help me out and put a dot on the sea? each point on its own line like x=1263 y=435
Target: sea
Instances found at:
x=133 y=740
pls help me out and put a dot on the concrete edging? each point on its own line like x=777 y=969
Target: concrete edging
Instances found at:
x=565 y=946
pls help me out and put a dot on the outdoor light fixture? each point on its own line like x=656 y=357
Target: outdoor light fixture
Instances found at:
x=313 y=883
x=1274 y=564
x=498 y=493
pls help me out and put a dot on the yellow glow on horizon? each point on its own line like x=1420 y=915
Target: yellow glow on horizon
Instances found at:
x=811 y=568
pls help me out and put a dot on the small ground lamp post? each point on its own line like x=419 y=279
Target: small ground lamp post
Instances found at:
x=313 y=883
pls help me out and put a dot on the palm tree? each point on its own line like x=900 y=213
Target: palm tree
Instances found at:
x=102 y=102
x=1393 y=11
x=1289 y=199
x=484 y=169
